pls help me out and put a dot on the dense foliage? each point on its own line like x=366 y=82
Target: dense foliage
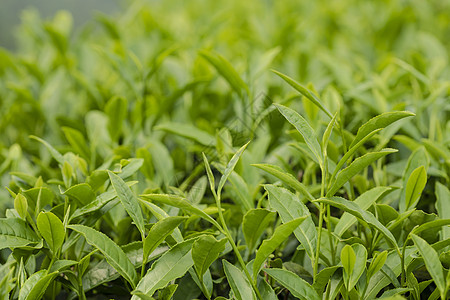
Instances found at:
x=155 y=154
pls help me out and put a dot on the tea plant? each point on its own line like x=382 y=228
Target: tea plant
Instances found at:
x=136 y=166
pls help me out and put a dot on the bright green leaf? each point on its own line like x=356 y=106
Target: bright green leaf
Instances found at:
x=112 y=252
x=51 y=229
x=255 y=222
x=128 y=200
x=172 y=265
x=159 y=232
x=280 y=234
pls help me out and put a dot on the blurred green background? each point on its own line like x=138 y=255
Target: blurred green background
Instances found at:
x=82 y=11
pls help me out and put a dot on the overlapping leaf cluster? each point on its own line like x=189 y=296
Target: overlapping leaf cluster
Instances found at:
x=139 y=162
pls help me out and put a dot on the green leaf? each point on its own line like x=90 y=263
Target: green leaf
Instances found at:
x=230 y=167
x=297 y=286
x=190 y=132
x=432 y=262
x=82 y=192
x=226 y=70
x=286 y=178
x=132 y=166
x=379 y=122
x=35 y=286
x=112 y=252
x=443 y=206
x=14 y=232
x=364 y=216
x=416 y=183
x=172 y=265
x=51 y=229
x=267 y=293
x=355 y=167
x=158 y=233
x=116 y=109
x=289 y=207
x=327 y=133
x=162 y=161
x=21 y=205
x=168 y=291
x=56 y=155
x=377 y=263
x=255 y=222
x=240 y=188
x=364 y=201
x=322 y=278
x=354 y=262
x=348 y=259
x=304 y=129
x=352 y=151
x=205 y=251
x=418 y=158
x=100 y=201
x=280 y=234
x=38 y=198
x=103 y=272
x=239 y=283
x=128 y=200
x=304 y=91
x=180 y=202
x=78 y=142
x=62 y=264
x=431 y=225
x=210 y=175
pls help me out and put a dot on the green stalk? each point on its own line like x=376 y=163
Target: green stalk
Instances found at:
x=402 y=260
x=319 y=230
x=233 y=245
x=144 y=259
x=319 y=236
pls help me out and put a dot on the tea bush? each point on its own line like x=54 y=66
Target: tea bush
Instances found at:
x=228 y=150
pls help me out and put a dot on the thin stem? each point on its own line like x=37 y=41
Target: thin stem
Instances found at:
x=319 y=236
x=321 y=211
x=144 y=259
x=402 y=259
x=330 y=236
x=233 y=245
